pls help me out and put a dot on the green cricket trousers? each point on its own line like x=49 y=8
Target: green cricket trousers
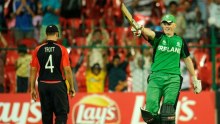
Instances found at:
x=162 y=85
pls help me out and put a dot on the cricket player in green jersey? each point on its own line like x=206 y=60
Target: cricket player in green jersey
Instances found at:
x=164 y=82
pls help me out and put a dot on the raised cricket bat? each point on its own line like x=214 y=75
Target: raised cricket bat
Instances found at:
x=129 y=17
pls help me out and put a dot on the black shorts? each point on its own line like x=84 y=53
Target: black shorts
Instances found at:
x=53 y=99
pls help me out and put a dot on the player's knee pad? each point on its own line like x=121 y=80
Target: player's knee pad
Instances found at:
x=147 y=116
x=167 y=114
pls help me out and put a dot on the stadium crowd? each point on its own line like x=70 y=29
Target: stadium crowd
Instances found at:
x=104 y=54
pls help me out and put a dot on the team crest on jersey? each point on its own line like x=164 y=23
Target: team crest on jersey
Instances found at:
x=178 y=44
x=164 y=42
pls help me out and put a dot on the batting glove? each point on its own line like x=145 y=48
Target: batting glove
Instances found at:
x=136 y=32
x=197 y=85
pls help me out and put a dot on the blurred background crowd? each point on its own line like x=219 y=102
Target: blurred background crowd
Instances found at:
x=104 y=54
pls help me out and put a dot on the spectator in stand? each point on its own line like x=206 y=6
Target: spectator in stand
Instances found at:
x=140 y=68
x=158 y=9
x=9 y=15
x=22 y=69
x=3 y=25
x=117 y=75
x=139 y=75
x=167 y=2
x=97 y=38
x=23 y=11
x=180 y=19
x=71 y=9
x=71 y=18
x=143 y=7
x=145 y=53
x=203 y=5
x=95 y=79
x=196 y=27
x=37 y=19
x=51 y=12
x=214 y=16
x=186 y=7
x=194 y=23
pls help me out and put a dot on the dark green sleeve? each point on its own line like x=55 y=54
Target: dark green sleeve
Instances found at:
x=156 y=40
x=184 y=50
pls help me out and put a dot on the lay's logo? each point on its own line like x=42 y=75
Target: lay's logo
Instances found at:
x=96 y=109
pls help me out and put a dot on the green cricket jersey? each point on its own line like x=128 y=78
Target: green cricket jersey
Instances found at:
x=167 y=53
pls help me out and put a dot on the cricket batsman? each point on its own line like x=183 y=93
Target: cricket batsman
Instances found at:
x=164 y=82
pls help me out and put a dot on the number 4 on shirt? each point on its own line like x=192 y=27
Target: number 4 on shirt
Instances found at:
x=49 y=64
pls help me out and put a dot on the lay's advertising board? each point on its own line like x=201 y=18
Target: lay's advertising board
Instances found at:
x=108 y=108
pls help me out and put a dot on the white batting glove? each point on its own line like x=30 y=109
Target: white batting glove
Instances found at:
x=136 y=32
x=197 y=85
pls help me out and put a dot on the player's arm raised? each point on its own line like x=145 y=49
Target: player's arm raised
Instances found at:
x=147 y=33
